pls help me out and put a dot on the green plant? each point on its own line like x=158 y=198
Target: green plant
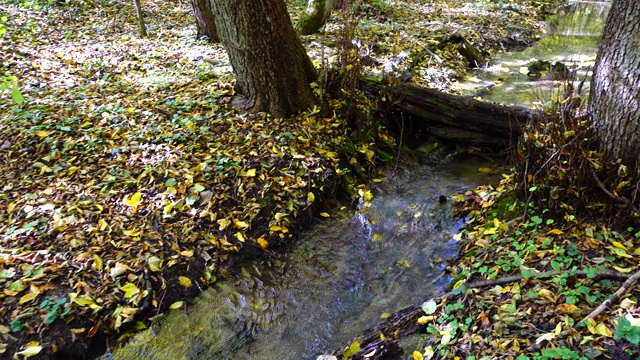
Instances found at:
x=11 y=83
x=626 y=330
x=56 y=310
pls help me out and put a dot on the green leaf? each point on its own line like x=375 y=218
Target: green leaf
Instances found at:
x=198 y=188
x=16 y=94
x=16 y=325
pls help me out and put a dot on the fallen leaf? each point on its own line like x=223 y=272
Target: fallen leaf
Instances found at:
x=134 y=201
x=176 y=305
x=31 y=349
x=184 y=281
x=263 y=242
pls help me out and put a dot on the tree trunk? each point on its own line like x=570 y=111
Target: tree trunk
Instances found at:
x=317 y=14
x=456 y=118
x=205 y=21
x=141 y=25
x=614 y=101
x=273 y=71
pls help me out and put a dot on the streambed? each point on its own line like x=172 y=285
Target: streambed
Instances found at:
x=572 y=37
x=335 y=281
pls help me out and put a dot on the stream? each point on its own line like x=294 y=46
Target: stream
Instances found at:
x=342 y=275
x=572 y=38
x=335 y=281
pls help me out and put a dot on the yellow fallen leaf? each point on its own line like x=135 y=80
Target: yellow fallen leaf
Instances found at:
x=102 y=224
x=417 y=355
x=240 y=224
x=263 y=242
x=186 y=253
x=249 y=173
x=176 y=305
x=42 y=133
x=310 y=197
x=484 y=170
x=28 y=297
x=385 y=315
x=619 y=252
x=602 y=329
x=446 y=336
x=134 y=200
x=97 y=262
x=223 y=224
x=72 y=170
x=429 y=352
x=184 y=281
x=240 y=237
x=623 y=270
x=31 y=349
x=591 y=325
x=619 y=245
x=556 y=232
x=367 y=195
x=324 y=214
x=424 y=319
x=11 y=207
x=129 y=290
x=133 y=232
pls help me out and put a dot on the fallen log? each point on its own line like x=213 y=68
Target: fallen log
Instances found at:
x=422 y=112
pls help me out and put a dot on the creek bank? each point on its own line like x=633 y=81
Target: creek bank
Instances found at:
x=104 y=218
x=339 y=276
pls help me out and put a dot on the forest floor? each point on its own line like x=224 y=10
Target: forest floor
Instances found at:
x=129 y=181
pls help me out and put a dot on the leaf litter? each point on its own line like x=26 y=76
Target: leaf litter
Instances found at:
x=127 y=177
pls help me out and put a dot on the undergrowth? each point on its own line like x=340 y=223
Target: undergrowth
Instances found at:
x=558 y=163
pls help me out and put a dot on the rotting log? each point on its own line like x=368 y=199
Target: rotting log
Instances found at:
x=456 y=118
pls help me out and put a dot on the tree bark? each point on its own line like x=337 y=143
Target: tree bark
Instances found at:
x=141 y=25
x=614 y=100
x=316 y=15
x=273 y=71
x=458 y=118
x=205 y=21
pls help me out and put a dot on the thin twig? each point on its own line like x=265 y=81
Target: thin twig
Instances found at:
x=631 y=281
x=515 y=278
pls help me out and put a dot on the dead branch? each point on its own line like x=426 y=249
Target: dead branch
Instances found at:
x=631 y=281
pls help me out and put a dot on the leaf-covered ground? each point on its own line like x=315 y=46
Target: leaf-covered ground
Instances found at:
x=524 y=283
x=127 y=178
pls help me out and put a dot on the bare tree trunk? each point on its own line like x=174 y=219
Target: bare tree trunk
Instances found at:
x=614 y=101
x=273 y=71
x=205 y=21
x=314 y=18
x=141 y=25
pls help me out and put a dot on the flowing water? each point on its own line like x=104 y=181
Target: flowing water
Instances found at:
x=334 y=282
x=572 y=39
x=338 y=278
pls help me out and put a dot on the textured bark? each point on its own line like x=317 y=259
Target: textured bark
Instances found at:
x=272 y=69
x=458 y=118
x=316 y=15
x=614 y=102
x=205 y=21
